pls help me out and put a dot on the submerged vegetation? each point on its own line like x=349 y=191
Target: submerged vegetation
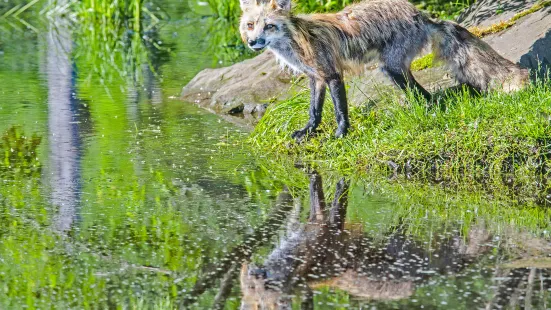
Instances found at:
x=19 y=153
x=462 y=135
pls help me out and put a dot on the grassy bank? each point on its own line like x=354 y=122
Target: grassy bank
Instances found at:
x=464 y=135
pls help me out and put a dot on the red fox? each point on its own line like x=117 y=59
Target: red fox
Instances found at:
x=326 y=46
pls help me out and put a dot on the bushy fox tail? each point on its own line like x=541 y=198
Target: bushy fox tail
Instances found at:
x=472 y=61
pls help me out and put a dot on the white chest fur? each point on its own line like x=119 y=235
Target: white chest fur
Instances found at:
x=288 y=58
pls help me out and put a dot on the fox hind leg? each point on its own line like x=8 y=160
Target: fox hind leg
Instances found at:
x=396 y=60
x=405 y=80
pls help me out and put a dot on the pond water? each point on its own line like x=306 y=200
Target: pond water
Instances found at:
x=115 y=194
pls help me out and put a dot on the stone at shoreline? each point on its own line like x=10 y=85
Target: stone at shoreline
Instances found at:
x=248 y=87
x=243 y=88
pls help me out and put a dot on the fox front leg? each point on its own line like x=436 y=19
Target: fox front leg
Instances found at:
x=338 y=95
x=317 y=96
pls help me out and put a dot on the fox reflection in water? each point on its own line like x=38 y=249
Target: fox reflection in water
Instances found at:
x=325 y=252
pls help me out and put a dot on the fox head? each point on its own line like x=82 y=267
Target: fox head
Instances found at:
x=263 y=22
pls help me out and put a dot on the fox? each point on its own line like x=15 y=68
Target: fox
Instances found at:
x=325 y=47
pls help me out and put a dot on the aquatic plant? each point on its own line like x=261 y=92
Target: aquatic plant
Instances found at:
x=19 y=153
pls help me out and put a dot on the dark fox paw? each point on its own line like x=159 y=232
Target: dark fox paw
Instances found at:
x=341 y=132
x=303 y=133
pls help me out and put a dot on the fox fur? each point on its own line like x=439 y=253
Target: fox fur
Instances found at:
x=327 y=46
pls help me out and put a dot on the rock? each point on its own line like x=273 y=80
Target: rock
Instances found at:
x=373 y=84
x=248 y=87
x=245 y=87
x=485 y=13
x=528 y=42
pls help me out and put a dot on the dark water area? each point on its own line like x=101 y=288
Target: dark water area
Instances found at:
x=114 y=194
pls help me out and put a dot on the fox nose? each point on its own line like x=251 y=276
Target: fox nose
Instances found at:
x=258 y=273
x=257 y=43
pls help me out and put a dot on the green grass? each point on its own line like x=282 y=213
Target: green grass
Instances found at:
x=422 y=63
x=464 y=135
x=115 y=38
x=308 y=6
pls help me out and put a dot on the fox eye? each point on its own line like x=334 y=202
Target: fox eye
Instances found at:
x=270 y=26
x=250 y=26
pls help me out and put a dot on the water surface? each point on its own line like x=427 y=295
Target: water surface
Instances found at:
x=115 y=194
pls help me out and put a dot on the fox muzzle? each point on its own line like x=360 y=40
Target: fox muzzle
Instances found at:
x=257 y=44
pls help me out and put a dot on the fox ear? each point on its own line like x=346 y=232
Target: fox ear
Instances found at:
x=246 y=3
x=284 y=5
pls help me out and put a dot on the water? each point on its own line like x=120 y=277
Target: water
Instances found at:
x=114 y=194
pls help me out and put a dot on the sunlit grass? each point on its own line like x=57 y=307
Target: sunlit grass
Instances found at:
x=422 y=63
x=464 y=135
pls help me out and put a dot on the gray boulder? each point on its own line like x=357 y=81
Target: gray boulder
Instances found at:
x=248 y=87
x=243 y=88
x=528 y=42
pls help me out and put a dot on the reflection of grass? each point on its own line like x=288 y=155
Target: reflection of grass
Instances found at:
x=419 y=206
x=380 y=205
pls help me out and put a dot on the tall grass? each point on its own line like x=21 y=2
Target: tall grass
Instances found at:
x=308 y=6
x=224 y=39
x=115 y=37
